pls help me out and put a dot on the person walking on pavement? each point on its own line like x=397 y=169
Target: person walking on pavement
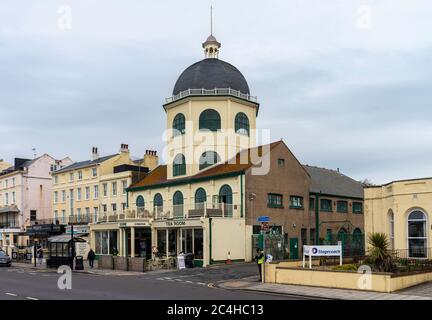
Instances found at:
x=40 y=256
x=91 y=256
x=259 y=258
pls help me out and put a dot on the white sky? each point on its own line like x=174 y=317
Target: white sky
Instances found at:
x=341 y=93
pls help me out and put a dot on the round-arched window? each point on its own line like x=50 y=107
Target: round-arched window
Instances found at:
x=242 y=123
x=140 y=202
x=179 y=165
x=179 y=124
x=200 y=198
x=158 y=200
x=178 y=204
x=225 y=198
x=208 y=158
x=417 y=234
x=209 y=119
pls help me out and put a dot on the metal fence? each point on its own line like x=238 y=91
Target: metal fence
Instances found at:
x=352 y=244
x=413 y=253
x=274 y=244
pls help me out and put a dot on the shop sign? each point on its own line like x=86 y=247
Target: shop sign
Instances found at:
x=78 y=230
x=175 y=223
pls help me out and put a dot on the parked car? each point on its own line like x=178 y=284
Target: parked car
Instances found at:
x=5 y=260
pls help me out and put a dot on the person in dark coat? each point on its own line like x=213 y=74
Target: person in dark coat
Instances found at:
x=91 y=256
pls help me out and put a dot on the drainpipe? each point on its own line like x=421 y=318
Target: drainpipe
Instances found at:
x=210 y=240
x=241 y=196
x=317 y=219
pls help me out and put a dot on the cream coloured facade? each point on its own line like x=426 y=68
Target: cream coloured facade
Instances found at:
x=402 y=210
x=95 y=189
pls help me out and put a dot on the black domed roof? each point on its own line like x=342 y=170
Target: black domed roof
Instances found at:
x=210 y=74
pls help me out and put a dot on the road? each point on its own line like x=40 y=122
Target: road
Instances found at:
x=190 y=284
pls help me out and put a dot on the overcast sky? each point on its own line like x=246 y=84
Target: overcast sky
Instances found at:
x=346 y=84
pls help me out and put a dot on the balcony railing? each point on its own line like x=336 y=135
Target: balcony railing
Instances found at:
x=211 y=92
x=9 y=225
x=196 y=210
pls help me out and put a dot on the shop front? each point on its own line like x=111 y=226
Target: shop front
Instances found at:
x=173 y=237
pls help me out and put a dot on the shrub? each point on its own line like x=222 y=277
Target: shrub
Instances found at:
x=347 y=267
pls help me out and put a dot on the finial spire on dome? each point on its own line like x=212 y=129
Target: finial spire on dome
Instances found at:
x=211 y=45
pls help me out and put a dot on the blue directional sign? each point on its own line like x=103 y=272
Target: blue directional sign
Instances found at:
x=263 y=219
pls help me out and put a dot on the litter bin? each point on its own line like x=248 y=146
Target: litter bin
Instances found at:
x=189 y=260
x=79 y=263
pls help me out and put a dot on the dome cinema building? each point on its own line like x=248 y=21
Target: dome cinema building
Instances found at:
x=216 y=181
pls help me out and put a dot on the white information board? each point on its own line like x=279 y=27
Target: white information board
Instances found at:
x=181 y=261
x=321 y=251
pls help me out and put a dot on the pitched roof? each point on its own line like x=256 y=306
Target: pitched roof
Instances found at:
x=332 y=182
x=237 y=164
x=86 y=163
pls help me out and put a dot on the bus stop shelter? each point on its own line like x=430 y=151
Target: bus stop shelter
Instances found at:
x=61 y=251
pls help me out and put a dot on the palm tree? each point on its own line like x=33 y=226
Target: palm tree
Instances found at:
x=379 y=253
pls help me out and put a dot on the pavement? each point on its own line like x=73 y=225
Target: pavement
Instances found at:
x=251 y=284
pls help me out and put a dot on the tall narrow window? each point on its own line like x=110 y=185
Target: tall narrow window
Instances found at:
x=140 y=203
x=179 y=124
x=179 y=165
x=226 y=199
x=417 y=234
x=208 y=158
x=200 y=198
x=178 y=204
x=391 y=231
x=242 y=123
x=209 y=119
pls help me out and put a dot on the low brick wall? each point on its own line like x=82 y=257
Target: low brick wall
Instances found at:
x=105 y=262
x=379 y=282
x=120 y=263
x=137 y=264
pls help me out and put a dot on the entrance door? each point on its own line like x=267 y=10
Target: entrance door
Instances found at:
x=293 y=248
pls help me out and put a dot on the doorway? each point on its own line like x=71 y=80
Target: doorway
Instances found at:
x=293 y=248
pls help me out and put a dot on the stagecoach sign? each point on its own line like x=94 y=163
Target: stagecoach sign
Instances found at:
x=321 y=251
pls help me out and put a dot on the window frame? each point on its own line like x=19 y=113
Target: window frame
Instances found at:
x=341 y=210
x=293 y=206
x=322 y=209
x=272 y=204
x=207 y=123
x=241 y=122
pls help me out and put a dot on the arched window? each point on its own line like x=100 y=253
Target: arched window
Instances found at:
x=342 y=236
x=158 y=200
x=179 y=165
x=210 y=119
x=391 y=228
x=357 y=242
x=417 y=234
x=200 y=198
x=140 y=202
x=179 y=124
x=225 y=198
x=208 y=158
x=178 y=204
x=242 y=123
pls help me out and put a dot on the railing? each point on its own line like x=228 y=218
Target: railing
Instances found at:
x=223 y=210
x=413 y=253
x=211 y=92
x=9 y=225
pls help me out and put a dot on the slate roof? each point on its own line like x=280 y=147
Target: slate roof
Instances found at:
x=210 y=74
x=158 y=176
x=86 y=163
x=331 y=182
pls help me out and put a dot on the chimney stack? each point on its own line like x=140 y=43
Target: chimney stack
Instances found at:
x=151 y=159
x=124 y=147
x=95 y=154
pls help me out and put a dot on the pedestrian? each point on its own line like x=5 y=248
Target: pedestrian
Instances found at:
x=91 y=258
x=40 y=256
x=259 y=258
x=115 y=252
